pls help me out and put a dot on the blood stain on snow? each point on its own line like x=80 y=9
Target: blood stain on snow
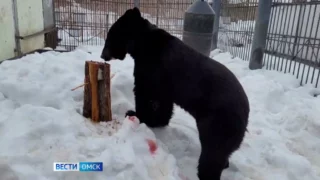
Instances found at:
x=183 y=177
x=132 y=118
x=152 y=146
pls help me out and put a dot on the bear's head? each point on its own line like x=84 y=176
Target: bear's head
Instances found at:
x=120 y=35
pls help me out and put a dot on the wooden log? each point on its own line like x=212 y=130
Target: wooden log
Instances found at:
x=97 y=98
x=86 y=112
x=104 y=95
x=93 y=77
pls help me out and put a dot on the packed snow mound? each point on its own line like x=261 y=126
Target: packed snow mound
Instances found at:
x=41 y=123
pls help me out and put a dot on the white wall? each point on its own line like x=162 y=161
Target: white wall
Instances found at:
x=7 y=41
x=30 y=20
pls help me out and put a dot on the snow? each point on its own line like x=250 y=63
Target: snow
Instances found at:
x=41 y=123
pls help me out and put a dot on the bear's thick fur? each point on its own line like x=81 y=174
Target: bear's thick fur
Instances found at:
x=167 y=71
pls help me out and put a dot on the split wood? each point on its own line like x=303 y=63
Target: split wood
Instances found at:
x=97 y=100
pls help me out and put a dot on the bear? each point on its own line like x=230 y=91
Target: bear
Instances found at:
x=167 y=72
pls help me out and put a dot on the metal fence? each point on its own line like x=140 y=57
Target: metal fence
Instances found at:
x=293 y=38
x=292 y=41
x=236 y=27
x=86 y=22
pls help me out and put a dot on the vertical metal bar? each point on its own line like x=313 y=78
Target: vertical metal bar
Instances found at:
x=48 y=21
x=91 y=10
x=298 y=33
x=246 y=29
x=68 y=27
x=234 y=32
x=307 y=44
x=103 y=26
x=137 y=3
x=241 y=36
x=249 y=29
x=216 y=6
x=270 y=39
x=304 y=13
x=244 y=15
x=318 y=78
x=237 y=30
x=226 y=29
x=282 y=36
x=229 y=28
x=55 y=23
x=232 y=48
x=56 y=32
x=16 y=27
x=295 y=41
x=276 y=38
x=260 y=34
x=81 y=24
x=286 y=27
x=318 y=47
x=157 y=12
x=292 y=44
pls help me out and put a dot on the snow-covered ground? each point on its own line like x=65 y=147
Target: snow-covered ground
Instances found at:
x=41 y=123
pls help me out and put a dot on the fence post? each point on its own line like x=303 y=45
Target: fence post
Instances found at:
x=216 y=6
x=17 y=50
x=260 y=34
x=137 y=3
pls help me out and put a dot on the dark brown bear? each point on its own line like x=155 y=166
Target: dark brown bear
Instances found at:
x=167 y=71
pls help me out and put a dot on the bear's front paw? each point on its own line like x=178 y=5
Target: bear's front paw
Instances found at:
x=130 y=113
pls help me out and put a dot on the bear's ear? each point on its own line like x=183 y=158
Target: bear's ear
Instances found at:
x=136 y=12
x=128 y=12
x=133 y=13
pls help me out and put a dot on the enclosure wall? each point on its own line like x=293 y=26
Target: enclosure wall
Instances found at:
x=30 y=21
x=7 y=41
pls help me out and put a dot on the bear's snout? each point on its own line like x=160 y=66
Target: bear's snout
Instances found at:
x=105 y=57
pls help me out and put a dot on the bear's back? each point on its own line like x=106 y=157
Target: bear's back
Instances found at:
x=193 y=77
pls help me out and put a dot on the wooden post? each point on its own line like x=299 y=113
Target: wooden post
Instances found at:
x=97 y=99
